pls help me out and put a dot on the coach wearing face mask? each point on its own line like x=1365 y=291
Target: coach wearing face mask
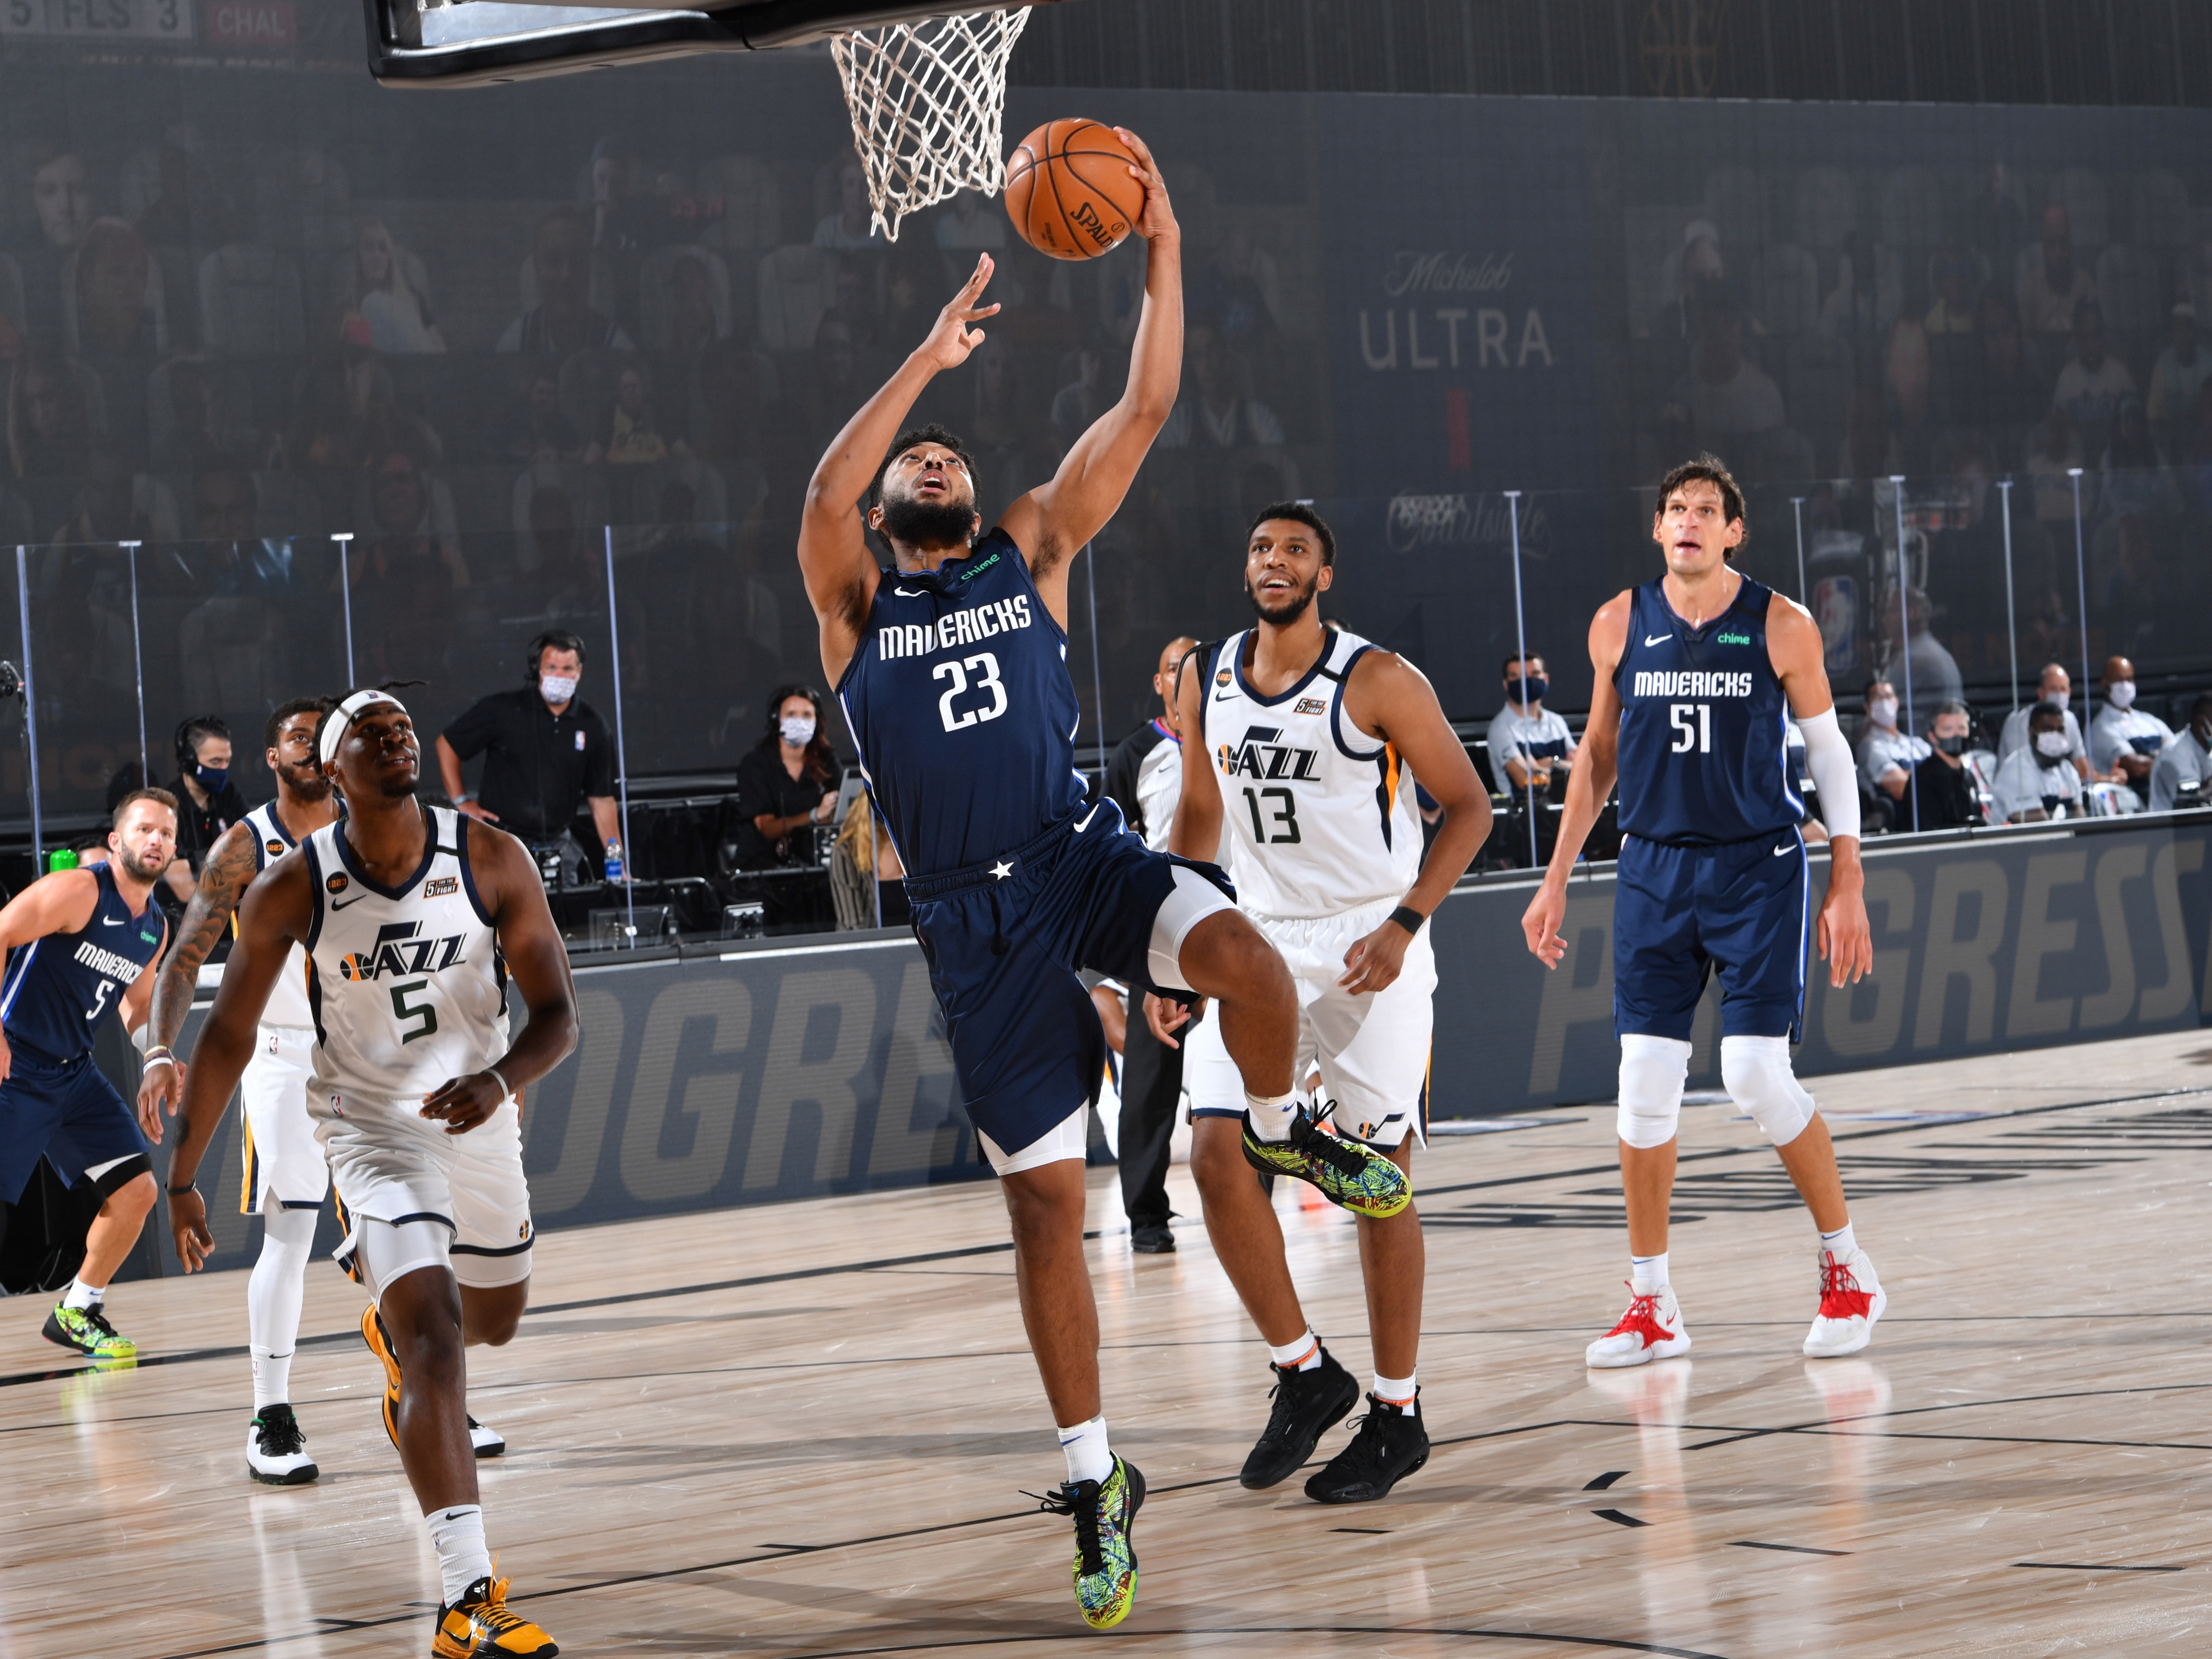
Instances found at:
x=546 y=753
x=1887 y=755
x=2125 y=742
x=788 y=784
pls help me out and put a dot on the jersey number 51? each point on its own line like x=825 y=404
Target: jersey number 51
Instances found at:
x=1693 y=727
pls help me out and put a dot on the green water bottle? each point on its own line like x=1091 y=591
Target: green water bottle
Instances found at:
x=62 y=857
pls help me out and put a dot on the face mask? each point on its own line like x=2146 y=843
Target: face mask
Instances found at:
x=797 y=731
x=2051 y=745
x=557 y=688
x=211 y=778
x=1526 y=691
x=1882 y=711
x=2062 y=698
x=2120 y=694
x=1951 y=745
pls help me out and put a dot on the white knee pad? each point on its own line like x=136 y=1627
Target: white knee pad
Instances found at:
x=1652 y=1071
x=1756 y=1073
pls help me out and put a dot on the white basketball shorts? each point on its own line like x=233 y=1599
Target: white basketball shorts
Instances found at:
x=392 y=1166
x=284 y=1168
x=1372 y=1048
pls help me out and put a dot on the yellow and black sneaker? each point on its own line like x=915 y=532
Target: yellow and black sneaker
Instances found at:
x=379 y=1344
x=87 y=1330
x=1105 y=1558
x=1348 y=1172
x=479 y=1626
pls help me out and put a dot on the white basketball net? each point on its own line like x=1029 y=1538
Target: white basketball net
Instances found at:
x=928 y=101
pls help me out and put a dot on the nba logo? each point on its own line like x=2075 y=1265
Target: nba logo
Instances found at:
x=579 y=743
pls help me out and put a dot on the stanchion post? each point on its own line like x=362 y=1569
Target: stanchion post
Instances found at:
x=2082 y=602
x=138 y=664
x=1521 y=645
x=345 y=539
x=30 y=712
x=1797 y=510
x=2012 y=629
x=1904 y=630
x=622 y=752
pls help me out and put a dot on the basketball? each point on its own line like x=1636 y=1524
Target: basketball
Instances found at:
x=1069 y=191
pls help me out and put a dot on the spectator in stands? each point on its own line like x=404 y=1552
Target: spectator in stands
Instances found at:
x=835 y=381
x=788 y=782
x=864 y=900
x=1694 y=268
x=2126 y=741
x=2000 y=392
x=1943 y=795
x=1250 y=297
x=2053 y=452
x=49 y=426
x=621 y=221
x=196 y=437
x=172 y=216
x=232 y=644
x=1213 y=412
x=1888 y=756
x=2055 y=688
x=1908 y=381
x=562 y=322
x=114 y=318
x=1528 y=742
x=633 y=435
x=2186 y=762
x=2052 y=287
x=348 y=413
x=210 y=801
x=1957 y=309
x=1993 y=223
x=1725 y=395
x=542 y=434
x=972 y=221
x=2136 y=482
x=405 y=577
x=2177 y=380
x=853 y=225
x=694 y=324
x=2093 y=381
x=2036 y=782
x=61 y=194
x=1083 y=399
x=399 y=319
x=1852 y=310
x=112 y=503
x=1934 y=671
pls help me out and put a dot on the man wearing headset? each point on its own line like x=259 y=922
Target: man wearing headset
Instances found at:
x=545 y=751
x=209 y=803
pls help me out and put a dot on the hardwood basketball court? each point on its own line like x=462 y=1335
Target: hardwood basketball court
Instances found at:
x=801 y=1429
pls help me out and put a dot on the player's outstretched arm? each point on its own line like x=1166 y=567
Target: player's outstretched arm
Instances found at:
x=1589 y=785
x=60 y=902
x=537 y=962
x=275 y=913
x=1391 y=698
x=1052 y=522
x=229 y=868
x=834 y=560
x=1795 y=649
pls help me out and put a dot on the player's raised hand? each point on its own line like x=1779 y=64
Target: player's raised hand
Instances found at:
x=1158 y=217
x=162 y=1086
x=462 y=1102
x=950 y=338
x=1541 y=923
x=1374 y=962
x=188 y=1227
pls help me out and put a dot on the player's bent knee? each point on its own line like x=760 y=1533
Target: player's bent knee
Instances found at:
x=1652 y=1071
x=133 y=1200
x=1755 y=1070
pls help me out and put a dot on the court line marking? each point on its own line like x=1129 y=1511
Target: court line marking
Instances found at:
x=1794 y=1549
x=1605 y=1480
x=2092 y=1566
x=1618 y=1519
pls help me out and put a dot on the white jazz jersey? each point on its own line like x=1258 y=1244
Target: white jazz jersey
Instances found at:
x=405 y=984
x=1320 y=815
x=287 y=1008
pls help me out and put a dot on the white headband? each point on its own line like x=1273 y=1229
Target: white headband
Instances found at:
x=334 y=729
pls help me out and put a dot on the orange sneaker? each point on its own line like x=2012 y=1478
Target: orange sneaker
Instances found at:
x=479 y=1626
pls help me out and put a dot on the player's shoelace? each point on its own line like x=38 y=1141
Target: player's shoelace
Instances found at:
x=1069 y=1499
x=1840 y=1295
x=491 y=1608
x=1642 y=1318
x=281 y=1434
x=1311 y=1139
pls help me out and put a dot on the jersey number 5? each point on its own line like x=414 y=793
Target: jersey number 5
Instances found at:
x=403 y=1011
x=1693 y=727
x=988 y=666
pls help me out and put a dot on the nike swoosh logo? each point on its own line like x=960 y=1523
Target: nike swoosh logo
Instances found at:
x=1658 y=639
x=110 y=921
x=1222 y=696
x=911 y=593
x=1084 y=822
x=1780 y=850
x=340 y=904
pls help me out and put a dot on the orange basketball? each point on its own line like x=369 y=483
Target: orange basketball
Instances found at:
x=1069 y=191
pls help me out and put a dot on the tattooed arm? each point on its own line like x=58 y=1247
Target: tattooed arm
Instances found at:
x=223 y=879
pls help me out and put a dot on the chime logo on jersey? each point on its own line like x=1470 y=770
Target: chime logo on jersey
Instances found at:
x=1257 y=755
x=401 y=948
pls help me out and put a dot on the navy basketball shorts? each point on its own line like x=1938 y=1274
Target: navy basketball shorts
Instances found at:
x=1004 y=941
x=71 y=1114
x=1680 y=912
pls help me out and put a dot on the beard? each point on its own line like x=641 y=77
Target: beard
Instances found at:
x=137 y=870
x=922 y=524
x=1289 y=610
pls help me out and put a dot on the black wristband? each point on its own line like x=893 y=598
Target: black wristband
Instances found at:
x=1408 y=918
x=189 y=1187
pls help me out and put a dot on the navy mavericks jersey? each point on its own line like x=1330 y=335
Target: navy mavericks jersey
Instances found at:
x=1703 y=722
x=960 y=700
x=59 y=988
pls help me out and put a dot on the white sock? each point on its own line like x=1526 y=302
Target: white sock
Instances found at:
x=81 y=1295
x=457 y=1533
x=1650 y=1272
x=1302 y=1355
x=1088 y=1456
x=1841 y=1242
x=1398 y=1391
x=273 y=1293
x=1271 y=1119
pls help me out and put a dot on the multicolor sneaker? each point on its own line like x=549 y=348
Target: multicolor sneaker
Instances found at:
x=479 y=1626
x=1652 y=1328
x=87 y=1330
x=276 y=1448
x=1851 y=1299
x=1348 y=1173
x=379 y=1344
x=1392 y=1443
x=1105 y=1559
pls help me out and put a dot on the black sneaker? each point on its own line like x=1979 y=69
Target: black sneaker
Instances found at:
x=1151 y=1241
x=276 y=1448
x=1392 y=1443
x=1308 y=1405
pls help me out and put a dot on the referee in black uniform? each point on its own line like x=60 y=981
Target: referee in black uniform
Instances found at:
x=545 y=752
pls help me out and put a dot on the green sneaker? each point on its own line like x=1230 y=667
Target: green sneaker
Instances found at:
x=87 y=1330
x=1105 y=1559
x=1348 y=1173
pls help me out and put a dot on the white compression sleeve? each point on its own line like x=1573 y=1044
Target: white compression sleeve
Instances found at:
x=1828 y=758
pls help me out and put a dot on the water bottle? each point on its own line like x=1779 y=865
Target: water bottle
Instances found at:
x=614 y=860
x=62 y=857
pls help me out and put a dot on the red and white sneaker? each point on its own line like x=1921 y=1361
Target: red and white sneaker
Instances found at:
x=1851 y=1299
x=1652 y=1328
